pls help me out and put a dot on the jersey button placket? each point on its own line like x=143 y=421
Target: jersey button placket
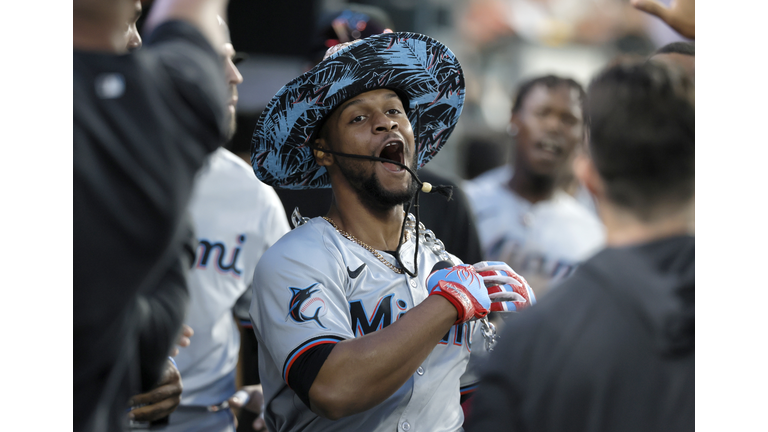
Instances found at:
x=406 y=426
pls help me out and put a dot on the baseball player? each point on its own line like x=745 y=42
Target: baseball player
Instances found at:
x=356 y=329
x=236 y=218
x=523 y=215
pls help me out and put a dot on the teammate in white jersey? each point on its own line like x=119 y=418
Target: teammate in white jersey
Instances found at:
x=236 y=218
x=523 y=216
x=354 y=335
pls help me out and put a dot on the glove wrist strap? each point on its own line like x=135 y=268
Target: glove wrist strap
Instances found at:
x=461 y=313
x=461 y=299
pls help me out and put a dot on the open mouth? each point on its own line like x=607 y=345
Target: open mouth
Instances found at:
x=394 y=152
x=550 y=145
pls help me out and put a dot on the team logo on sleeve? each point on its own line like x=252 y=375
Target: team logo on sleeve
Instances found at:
x=304 y=307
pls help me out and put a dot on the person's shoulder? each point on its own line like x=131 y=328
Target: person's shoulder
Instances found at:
x=553 y=311
x=496 y=175
x=177 y=53
x=309 y=243
x=489 y=180
x=307 y=239
x=488 y=184
x=572 y=209
x=238 y=174
x=232 y=160
x=228 y=162
x=178 y=31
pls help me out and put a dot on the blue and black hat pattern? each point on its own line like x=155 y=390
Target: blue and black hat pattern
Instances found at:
x=416 y=66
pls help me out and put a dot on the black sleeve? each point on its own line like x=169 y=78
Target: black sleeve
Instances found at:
x=493 y=407
x=185 y=56
x=497 y=404
x=136 y=151
x=143 y=124
x=305 y=369
x=161 y=314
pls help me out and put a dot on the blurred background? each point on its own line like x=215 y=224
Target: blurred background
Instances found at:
x=498 y=42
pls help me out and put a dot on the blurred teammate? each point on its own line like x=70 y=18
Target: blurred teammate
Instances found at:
x=143 y=125
x=236 y=218
x=156 y=404
x=680 y=54
x=613 y=348
x=523 y=216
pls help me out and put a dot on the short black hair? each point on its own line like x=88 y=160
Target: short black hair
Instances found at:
x=686 y=48
x=641 y=120
x=550 y=81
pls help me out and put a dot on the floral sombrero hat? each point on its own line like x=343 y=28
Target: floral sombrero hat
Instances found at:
x=416 y=66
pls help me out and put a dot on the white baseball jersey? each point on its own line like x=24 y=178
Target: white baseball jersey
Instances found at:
x=543 y=242
x=315 y=286
x=236 y=219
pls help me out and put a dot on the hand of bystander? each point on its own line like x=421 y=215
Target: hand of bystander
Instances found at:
x=680 y=15
x=160 y=401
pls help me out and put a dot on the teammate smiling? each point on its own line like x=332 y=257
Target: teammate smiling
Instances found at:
x=524 y=217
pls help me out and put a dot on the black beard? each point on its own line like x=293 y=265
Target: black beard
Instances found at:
x=372 y=194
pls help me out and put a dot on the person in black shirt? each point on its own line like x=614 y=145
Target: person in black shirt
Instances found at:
x=143 y=123
x=613 y=348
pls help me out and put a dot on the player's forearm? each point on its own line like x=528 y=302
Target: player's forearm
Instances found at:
x=200 y=13
x=360 y=373
x=161 y=315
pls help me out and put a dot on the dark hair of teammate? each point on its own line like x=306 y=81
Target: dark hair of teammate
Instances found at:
x=685 y=48
x=550 y=81
x=642 y=140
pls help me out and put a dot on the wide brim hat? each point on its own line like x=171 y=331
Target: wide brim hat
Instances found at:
x=420 y=69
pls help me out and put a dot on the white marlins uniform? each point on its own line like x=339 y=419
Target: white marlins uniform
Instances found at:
x=315 y=286
x=543 y=242
x=236 y=218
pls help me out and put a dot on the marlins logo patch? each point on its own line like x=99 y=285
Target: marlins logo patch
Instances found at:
x=304 y=307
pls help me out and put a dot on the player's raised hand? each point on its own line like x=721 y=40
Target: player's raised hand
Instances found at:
x=463 y=287
x=508 y=291
x=160 y=401
x=680 y=15
x=184 y=341
x=251 y=398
